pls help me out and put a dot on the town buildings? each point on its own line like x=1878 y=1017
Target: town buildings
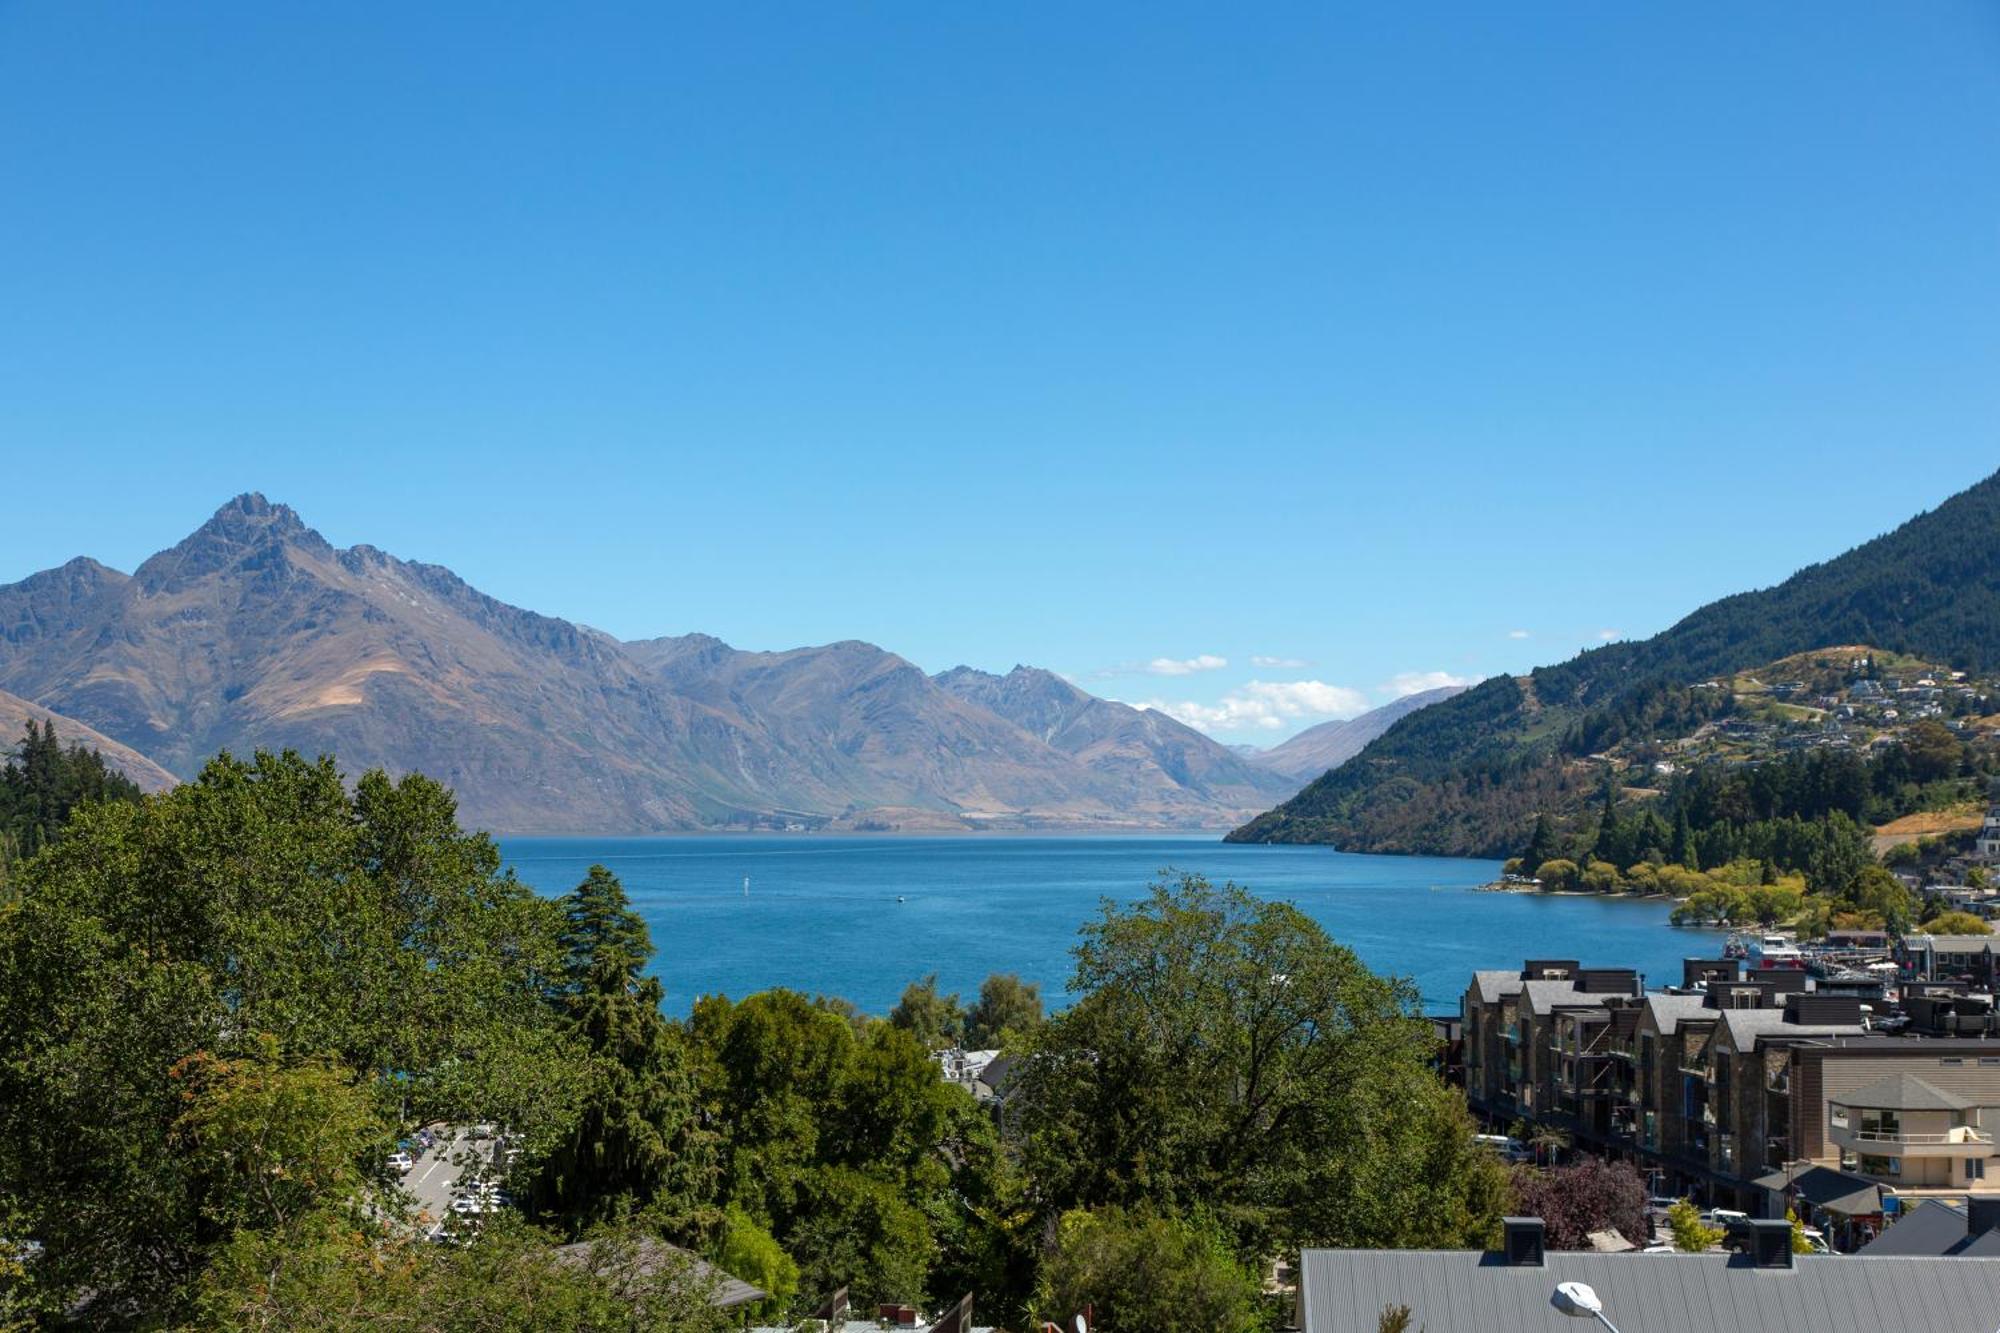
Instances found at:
x=1748 y=1089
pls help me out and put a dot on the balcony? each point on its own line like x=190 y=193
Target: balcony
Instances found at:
x=1960 y=1141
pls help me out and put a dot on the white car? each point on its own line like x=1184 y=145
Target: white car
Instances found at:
x=466 y=1205
x=401 y=1162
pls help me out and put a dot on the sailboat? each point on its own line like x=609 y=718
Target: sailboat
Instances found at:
x=746 y=886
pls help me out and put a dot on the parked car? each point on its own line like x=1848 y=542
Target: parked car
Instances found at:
x=401 y=1162
x=1511 y=1149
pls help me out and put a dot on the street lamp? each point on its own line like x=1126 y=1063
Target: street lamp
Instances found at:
x=1577 y=1300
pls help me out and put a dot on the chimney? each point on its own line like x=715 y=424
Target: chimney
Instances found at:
x=1981 y=1215
x=1770 y=1241
x=1523 y=1244
x=835 y=1310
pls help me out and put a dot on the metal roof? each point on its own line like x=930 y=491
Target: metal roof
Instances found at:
x=1835 y=1191
x=1669 y=1010
x=1746 y=1025
x=1902 y=1092
x=647 y=1257
x=1464 y=1291
x=1933 y=1227
x=1493 y=985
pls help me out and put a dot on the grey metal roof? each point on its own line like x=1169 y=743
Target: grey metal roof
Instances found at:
x=1903 y=1092
x=648 y=1257
x=1464 y=1291
x=1494 y=985
x=1746 y=1025
x=1835 y=1191
x=1669 y=1010
x=1933 y=1227
x=1956 y=943
x=1546 y=995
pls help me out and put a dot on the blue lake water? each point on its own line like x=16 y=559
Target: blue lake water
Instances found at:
x=823 y=915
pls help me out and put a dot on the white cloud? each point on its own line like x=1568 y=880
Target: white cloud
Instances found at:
x=1280 y=663
x=1609 y=634
x=1416 y=682
x=1185 y=666
x=1265 y=705
x=1518 y=634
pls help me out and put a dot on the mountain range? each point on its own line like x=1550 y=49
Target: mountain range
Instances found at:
x=255 y=632
x=1468 y=775
x=1330 y=744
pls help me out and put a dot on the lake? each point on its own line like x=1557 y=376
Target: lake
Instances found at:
x=823 y=913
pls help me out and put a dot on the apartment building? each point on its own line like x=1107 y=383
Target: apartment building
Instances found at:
x=1743 y=1090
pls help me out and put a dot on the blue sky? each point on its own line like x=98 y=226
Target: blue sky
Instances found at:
x=1342 y=349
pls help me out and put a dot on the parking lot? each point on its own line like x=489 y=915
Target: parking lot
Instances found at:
x=457 y=1158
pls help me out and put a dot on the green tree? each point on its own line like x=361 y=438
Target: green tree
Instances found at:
x=1541 y=845
x=600 y=926
x=1956 y=923
x=1558 y=872
x=749 y=1252
x=1225 y=1054
x=1006 y=1005
x=41 y=785
x=638 y=1140
x=935 y=1020
x=1145 y=1273
x=505 y=1278
x=1600 y=877
x=1933 y=751
x=1800 y=1245
x=851 y=1150
x=260 y=907
x=1691 y=1235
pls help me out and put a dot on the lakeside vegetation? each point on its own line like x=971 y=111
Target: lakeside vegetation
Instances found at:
x=220 y=1008
x=1785 y=842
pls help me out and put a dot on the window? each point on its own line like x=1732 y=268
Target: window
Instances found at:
x=1975 y=1168
x=1950 y=1060
x=1880 y=1166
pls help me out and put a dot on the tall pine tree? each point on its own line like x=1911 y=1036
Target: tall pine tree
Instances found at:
x=600 y=927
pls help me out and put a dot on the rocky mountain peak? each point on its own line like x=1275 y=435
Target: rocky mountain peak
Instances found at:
x=248 y=530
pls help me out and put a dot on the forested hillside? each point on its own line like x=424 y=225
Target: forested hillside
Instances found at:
x=1466 y=776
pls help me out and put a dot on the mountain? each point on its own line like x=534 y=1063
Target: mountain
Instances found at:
x=255 y=632
x=1155 y=759
x=16 y=713
x=1467 y=776
x=1331 y=744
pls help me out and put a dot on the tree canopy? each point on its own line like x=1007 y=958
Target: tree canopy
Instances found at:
x=1225 y=1055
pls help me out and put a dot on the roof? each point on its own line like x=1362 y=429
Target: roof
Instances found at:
x=1546 y=995
x=1902 y=1092
x=1669 y=1010
x=1835 y=1191
x=1954 y=943
x=1934 y=1227
x=649 y=1256
x=1492 y=986
x=1464 y=1291
x=1746 y=1025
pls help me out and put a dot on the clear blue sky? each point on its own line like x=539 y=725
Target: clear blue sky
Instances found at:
x=999 y=333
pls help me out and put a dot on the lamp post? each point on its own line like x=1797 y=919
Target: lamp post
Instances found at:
x=1577 y=1300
